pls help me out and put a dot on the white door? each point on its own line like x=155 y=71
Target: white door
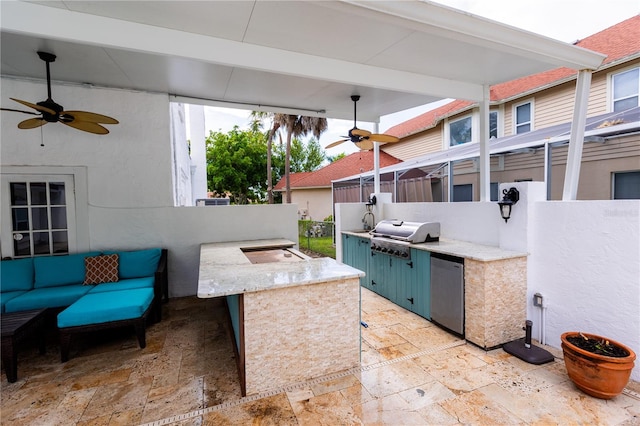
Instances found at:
x=38 y=215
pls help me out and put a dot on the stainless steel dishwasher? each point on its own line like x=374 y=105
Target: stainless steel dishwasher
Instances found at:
x=447 y=292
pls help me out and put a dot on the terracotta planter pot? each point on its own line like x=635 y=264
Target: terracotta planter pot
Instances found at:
x=597 y=375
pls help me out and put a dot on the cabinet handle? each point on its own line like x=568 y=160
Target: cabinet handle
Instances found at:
x=411 y=266
x=373 y=282
x=411 y=300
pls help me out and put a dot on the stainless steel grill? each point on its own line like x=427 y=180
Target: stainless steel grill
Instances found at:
x=394 y=237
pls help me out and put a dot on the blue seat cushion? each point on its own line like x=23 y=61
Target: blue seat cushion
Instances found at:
x=146 y=282
x=52 y=271
x=8 y=295
x=48 y=297
x=108 y=306
x=139 y=263
x=16 y=274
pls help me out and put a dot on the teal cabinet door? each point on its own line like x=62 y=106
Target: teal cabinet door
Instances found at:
x=404 y=274
x=421 y=289
x=356 y=253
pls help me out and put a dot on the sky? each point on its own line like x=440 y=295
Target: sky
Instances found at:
x=564 y=20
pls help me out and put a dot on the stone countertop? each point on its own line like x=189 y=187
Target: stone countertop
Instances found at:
x=467 y=250
x=225 y=270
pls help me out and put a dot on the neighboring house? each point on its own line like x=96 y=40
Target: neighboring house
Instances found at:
x=311 y=191
x=610 y=169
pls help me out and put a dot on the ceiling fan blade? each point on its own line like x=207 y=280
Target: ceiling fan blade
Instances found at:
x=336 y=143
x=364 y=145
x=32 y=123
x=360 y=132
x=19 y=110
x=383 y=138
x=90 y=117
x=36 y=107
x=87 y=126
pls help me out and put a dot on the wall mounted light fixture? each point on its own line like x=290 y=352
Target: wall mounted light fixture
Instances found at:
x=509 y=198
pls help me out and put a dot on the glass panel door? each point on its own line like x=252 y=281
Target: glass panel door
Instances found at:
x=40 y=209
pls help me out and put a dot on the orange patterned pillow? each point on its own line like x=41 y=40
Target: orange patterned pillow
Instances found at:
x=101 y=269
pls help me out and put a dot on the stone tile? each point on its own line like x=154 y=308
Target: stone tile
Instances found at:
x=189 y=364
x=382 y=337
x=476 y=408
x=119 y=397
x=334 y=385
x=427 y=395
x=274 y=410
x=390 y=410
x=326 y=409
x=169 y=400
x=394 y=378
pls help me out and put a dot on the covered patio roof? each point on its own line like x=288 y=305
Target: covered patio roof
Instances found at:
x=597 y=129
x=303 y=57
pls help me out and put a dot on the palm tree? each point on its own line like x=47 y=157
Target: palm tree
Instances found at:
x=295 y=126
x=256 y=120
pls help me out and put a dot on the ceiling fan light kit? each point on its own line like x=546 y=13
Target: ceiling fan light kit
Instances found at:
x=363 y=139
x=51 y=112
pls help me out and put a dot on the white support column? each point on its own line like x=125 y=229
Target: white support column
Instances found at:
x=576 y=140
x=485 y=153
x=376 y=163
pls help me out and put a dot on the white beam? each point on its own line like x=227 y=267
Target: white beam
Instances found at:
x=60 y=24
x=576 y=140
x=376 y=162
x=485 y=155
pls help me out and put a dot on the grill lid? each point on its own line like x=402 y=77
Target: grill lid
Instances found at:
x=413 y=232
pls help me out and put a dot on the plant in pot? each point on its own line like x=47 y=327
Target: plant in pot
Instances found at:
x=598 y=366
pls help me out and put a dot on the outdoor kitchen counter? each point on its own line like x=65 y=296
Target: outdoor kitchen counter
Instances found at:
x=293 y=319
x=495 y=289
x=225 y=270
x=464 y=249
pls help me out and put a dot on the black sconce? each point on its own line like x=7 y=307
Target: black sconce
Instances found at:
x=509 y=198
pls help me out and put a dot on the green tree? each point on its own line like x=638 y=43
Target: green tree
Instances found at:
x=235 y=164
x=295 y=126
x=337 y=157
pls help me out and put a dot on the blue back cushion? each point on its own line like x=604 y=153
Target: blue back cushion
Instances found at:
x=16 y=275
x=139 y=263
x=53 y=271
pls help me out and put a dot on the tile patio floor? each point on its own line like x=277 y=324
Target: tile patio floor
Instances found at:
x=412 y=373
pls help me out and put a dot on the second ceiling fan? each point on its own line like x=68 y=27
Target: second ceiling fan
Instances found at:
x=363 y=139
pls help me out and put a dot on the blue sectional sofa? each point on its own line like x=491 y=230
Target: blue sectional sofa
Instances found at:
x=71 y=286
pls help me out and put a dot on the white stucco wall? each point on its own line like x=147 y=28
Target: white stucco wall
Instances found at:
x=131 y=166
x=124 y=180
x=477 y=222
x=181 y=164
x=198 y=138
x=585 y=261
x=183 y=229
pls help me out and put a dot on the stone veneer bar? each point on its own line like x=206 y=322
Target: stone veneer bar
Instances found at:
x=495 y=299
x=293 y=321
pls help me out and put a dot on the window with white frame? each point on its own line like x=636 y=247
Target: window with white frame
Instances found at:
x=460 y=131
x=523 y=117
x=626 y=90
x=37 y=215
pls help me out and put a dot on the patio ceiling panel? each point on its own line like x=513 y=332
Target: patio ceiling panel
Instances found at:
x=194 y=49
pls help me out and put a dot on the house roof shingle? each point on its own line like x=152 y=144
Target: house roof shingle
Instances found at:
x=349 y=165
x=617 y=42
